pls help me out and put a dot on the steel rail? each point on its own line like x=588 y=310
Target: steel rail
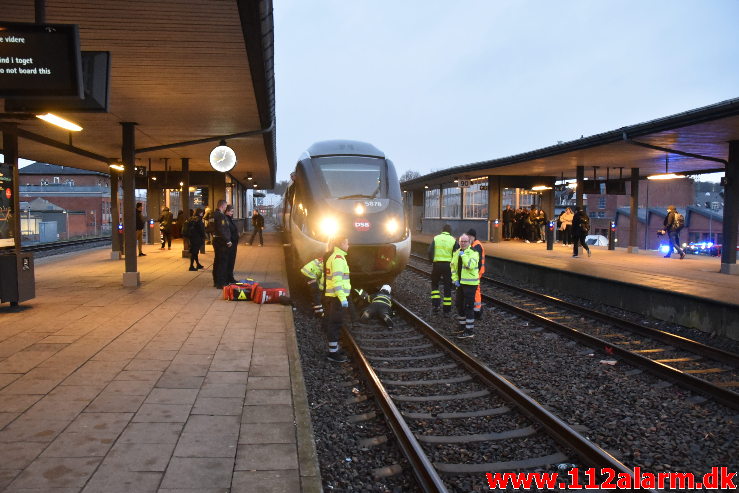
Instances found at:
x=62 y=244
x=660 y=335
x=591 y=454
x=423 y=469
x=720 y=394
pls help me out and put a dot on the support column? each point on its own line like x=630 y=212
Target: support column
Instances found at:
x=494 y=209
x=131 y=278
x=10 y=154
x=115 y=253
x=634 y=211
x=185 y=202
x=731 y=211
x=580 y=170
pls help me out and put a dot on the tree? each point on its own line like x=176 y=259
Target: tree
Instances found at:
x=409 y=175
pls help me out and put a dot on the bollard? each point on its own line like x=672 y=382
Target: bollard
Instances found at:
x=550 y=235
x=612 y=236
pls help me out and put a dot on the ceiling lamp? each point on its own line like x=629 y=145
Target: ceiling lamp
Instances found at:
x=222 y=158
x=117 y=166
x=59 y=122
x=540 y=187
x=666 y=175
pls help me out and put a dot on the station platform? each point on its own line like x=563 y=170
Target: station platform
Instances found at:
x=161 y=388
x=690 y=292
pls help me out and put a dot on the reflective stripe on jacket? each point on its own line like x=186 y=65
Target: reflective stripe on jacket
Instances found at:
x=382 y=298
x=477 y=246
x=337 y=275
x=465 y=267
x=443 y=246
x=314 y=270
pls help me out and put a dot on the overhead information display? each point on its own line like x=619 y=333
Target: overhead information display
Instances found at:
x=40 y=60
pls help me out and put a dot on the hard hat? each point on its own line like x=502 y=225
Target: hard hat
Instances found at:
x=386 y=288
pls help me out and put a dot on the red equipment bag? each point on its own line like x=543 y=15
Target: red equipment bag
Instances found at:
x=268 y=293
x=240 y=291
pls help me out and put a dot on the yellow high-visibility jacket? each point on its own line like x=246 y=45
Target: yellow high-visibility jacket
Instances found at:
x=313 y=270
x=337 y=275
x=442 y=247
x=465 y=267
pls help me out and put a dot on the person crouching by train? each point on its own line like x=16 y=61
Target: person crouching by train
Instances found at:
x=313 y=271
x=440 y=253
x=338 y=289
x=379 y=308
x=476 y=245
x=465 y=276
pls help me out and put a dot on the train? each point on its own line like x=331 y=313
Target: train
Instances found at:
x=348 y=188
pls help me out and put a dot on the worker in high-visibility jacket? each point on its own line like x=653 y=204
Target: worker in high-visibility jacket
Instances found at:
x=440 y=253
x=338 y=289
x=465 y=276
x=477 y=246
x=313 y=271
x=380 y=308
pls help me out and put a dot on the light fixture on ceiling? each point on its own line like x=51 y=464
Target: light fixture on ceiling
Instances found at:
x=59 y=122
x=222 y=157
x=255 y=185
x=249 y=176
x=117 y=166
x=666 y=175
x=538 y=188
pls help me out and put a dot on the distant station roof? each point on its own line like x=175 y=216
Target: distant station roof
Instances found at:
x=53 y=169
x=696 y=142
x=185 y=72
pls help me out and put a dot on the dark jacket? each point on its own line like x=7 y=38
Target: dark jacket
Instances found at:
x=165 y=220
x=232 y=227
x=669 y=222
x=257 y=221
x=140 y=223
x=581 y=222
x=509 y=215
x=196 y=231
x=221 y=226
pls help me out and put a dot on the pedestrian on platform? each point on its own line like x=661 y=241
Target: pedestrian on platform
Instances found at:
x=338 y=289
x=165 y=227
x=209 y=225
x=541 y=223
x=440 y=253
x=380 y=308
x=465 y=276
x=221 y=244
x=313 y=272
x=477 y=246
x=257 y=222
x=565 y=226
x=509 y=218
x=234 y=244
x=195 y=233
x=674 y=222
x=580 y=229
x=140 y=224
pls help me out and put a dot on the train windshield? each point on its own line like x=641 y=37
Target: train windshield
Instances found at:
x=349 y=177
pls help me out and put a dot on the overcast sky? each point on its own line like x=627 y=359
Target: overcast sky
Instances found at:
x=437 y=84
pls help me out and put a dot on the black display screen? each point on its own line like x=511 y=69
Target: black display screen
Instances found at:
x=40 y=60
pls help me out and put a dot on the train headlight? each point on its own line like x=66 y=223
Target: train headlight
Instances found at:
x=392 y=226
x=359 y=209
x=328 y=226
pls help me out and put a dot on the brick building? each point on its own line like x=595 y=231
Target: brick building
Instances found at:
x=83 y=195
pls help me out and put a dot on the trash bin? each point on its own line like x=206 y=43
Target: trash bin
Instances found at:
x=17 y=278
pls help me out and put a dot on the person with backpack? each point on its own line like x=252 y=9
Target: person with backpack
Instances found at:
x=165 y=227
x=674 y=222
x=194 y=231
x=580 y=229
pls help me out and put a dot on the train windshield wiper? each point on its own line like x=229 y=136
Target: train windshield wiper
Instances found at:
x=356 y=196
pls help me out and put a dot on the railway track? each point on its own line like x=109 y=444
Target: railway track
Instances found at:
x=453 y=416
x=702 y=369
x=59 y=245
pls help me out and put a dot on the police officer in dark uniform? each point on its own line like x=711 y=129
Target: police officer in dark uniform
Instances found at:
x=234 y=244
x=221 y=244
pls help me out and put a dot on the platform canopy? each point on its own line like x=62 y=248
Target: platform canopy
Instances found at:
x=692 y=142
x=183 y=71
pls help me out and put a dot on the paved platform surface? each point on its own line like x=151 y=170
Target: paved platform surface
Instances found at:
x=696 y=275
x=163 y=388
